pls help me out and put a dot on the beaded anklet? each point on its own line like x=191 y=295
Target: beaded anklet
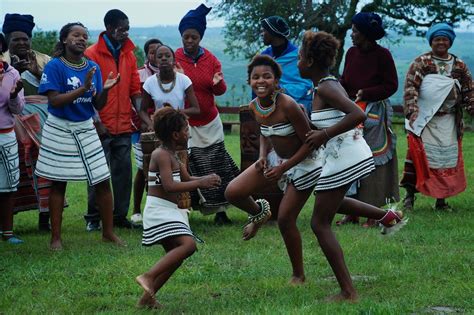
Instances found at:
x=264 y=213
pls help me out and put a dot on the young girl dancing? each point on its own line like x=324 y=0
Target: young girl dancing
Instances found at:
x=283 y=126
x=343 y=154
x=167 y=88
x=163 y=222
x=70 y=147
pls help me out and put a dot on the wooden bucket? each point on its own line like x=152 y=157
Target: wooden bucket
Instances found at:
x=249 y=152
x=149 y=142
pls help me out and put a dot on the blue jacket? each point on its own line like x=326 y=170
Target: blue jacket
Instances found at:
x=291 y=82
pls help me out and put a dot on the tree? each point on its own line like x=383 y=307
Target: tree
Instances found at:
x=140 y=55
x=242 y=30
x=44 y=41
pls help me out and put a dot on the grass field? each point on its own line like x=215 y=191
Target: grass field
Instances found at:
x=428 y=264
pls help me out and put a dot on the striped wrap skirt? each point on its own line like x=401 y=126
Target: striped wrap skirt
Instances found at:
x=71 y=151
x=9 y=163
x=345 y=158
x=207 y=154
x=162 y=219
x=302 y=176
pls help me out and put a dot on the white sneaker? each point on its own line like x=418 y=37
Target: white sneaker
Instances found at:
x=136 y=218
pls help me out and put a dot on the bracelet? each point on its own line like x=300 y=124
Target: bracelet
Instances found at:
x=326 y=133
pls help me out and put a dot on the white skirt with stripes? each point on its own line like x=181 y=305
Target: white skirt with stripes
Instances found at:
x=71 y=151
x=162 y=219
x=9 y=163
x=302 y=176
x=345 y=158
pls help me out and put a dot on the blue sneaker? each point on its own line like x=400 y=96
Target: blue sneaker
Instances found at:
x=14 y=240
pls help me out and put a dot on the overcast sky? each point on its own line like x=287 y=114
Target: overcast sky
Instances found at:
x=53 y=14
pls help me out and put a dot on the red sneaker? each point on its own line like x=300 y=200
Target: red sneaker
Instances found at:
x=392 y=221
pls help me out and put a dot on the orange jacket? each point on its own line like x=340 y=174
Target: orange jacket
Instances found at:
x=117 y=113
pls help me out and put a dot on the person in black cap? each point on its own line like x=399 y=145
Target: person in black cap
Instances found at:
x=32 y=191
x=18 y=30
x=275 y=32
x=206 y=144
x=370 y=78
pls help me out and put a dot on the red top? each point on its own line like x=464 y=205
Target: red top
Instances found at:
x=371 y=71
x=116 y=114
x=201 y=74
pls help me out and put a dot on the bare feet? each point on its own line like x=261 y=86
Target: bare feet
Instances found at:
x=56 y=244
x=251 y=229
x=343 y=297
x=112 y=238
x=297 y=281
x=146 y=283
x=148 y=301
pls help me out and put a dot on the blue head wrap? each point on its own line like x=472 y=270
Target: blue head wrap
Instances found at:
x=195 y=19
x=276 y=26
x=441 y=29
x=18 y=23
x=369 y=24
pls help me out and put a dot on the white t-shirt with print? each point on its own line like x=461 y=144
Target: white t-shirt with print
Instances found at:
x=175 y=97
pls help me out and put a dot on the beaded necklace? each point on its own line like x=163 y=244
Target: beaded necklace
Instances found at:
x=326 y=78
x=264 y=112
x=162 y=88
x=74 y=66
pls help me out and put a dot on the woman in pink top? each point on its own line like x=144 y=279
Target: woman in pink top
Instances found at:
x=11 y=102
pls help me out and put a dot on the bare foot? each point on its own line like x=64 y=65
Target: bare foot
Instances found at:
x=56 y=245
x=148 y=301
x=112 y=238
x=297 y=281
x=146 y=284
x=251 y=229
x=343 y=297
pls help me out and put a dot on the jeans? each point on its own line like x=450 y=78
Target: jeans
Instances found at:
x=117 y=149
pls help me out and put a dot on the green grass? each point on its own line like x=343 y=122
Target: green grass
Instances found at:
x=429 y=263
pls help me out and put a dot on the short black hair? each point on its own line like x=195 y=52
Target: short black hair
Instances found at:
x=171 y=49
x=264 y=60
x=113 y=17
x=60 y=48
x=151 y=42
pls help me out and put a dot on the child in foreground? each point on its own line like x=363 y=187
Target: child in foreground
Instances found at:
x=163 y=222
x=343 y=154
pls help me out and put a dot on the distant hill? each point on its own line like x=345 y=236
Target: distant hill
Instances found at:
x=235 y=71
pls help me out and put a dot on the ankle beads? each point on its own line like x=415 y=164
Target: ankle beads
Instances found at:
x=264 y=213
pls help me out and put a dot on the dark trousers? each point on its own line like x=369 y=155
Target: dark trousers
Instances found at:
x=117 y=149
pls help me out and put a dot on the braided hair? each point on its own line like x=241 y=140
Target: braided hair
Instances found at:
x=322 y=47
x=167 y=120
x=60 y=48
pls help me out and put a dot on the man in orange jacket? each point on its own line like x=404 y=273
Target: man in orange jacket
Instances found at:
x=113 y=52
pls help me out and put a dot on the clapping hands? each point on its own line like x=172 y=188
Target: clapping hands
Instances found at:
x=16 y=88
x=111 y=81
x=218 y=77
